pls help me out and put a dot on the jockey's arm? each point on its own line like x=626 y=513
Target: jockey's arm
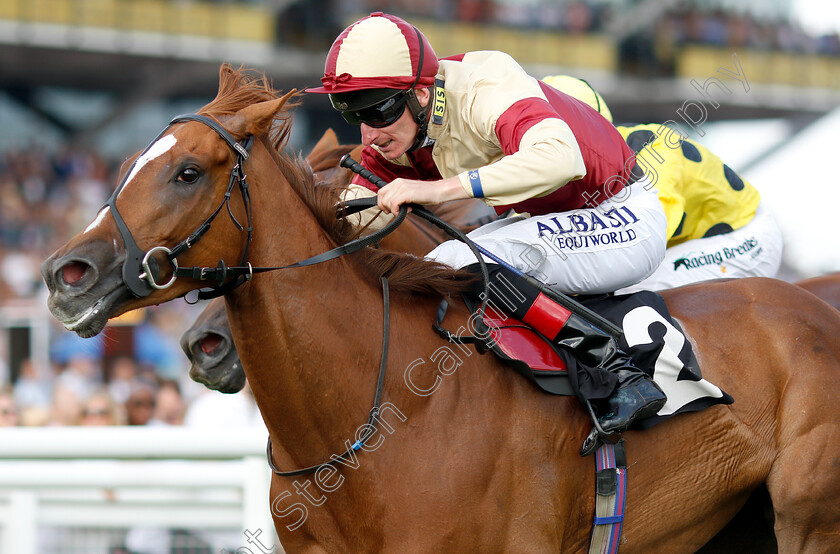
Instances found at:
x=545 y=158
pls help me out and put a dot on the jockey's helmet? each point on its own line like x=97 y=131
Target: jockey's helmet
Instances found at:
x=580 y=89
x=373 y=68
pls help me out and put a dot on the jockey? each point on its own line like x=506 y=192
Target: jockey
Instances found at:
x=477 y=125
x=717 y=226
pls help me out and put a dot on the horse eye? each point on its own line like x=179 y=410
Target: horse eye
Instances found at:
x=189 y=175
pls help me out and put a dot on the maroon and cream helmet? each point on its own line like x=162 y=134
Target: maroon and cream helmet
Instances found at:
x=378 y=51
x=375 y=59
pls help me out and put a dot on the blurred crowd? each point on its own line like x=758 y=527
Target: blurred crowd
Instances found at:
x=571 y=16
x=652 y=51
x=81 y=393
x=42 y=198
x=682 y=23
x=648 y=50
x=86 y=390
x=135 y=374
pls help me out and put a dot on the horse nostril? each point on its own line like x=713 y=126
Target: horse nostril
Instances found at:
x=73 y=272
x=210 y=343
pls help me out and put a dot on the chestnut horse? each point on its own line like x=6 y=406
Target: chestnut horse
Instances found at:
x=827 y=287
x=467 y=455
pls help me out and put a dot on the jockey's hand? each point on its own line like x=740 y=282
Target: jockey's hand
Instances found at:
x=409 y=191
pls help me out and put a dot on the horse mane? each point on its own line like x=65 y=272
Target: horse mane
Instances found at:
x=239 y=88
x=405 y=272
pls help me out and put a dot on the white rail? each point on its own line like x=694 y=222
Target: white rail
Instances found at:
x=131 y=442
x=124 y=477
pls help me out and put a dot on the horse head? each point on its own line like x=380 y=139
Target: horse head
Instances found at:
x=208 y=344
x=189 y=179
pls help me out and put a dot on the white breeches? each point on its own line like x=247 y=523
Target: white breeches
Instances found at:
x=754 y=250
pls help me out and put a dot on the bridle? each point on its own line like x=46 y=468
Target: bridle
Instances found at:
x=140 y=269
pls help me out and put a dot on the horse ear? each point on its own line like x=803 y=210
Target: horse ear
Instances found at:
x=326 y=143
x=256 y=118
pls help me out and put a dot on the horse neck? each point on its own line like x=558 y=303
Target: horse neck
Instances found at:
x=305 y=335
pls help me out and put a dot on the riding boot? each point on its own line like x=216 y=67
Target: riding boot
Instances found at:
x=635 y=395
x=627 y=394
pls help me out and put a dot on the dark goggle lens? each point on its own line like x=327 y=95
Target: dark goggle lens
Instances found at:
x=381 y=115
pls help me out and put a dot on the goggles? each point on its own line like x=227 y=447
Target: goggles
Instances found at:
x=379 y=115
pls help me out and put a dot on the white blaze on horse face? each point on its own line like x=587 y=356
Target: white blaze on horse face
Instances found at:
x=155 y=150
x=99 y=217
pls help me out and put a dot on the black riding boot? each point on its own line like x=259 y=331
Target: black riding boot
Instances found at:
x=635 y=396
x=628 y=393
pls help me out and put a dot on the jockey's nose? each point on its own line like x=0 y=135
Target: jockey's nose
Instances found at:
x=369 y=134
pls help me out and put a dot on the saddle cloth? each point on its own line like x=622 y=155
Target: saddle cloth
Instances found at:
x=652 y=338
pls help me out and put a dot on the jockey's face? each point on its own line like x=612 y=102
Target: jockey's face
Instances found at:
x=394 y=140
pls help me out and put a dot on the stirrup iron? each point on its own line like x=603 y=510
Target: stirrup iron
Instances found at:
x=597 y=435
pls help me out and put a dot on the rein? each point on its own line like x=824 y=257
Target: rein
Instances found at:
x=221 y=272
x=373 y=417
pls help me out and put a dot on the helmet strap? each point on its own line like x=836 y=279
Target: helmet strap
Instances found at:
x=421 y=114
x=421 y=117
